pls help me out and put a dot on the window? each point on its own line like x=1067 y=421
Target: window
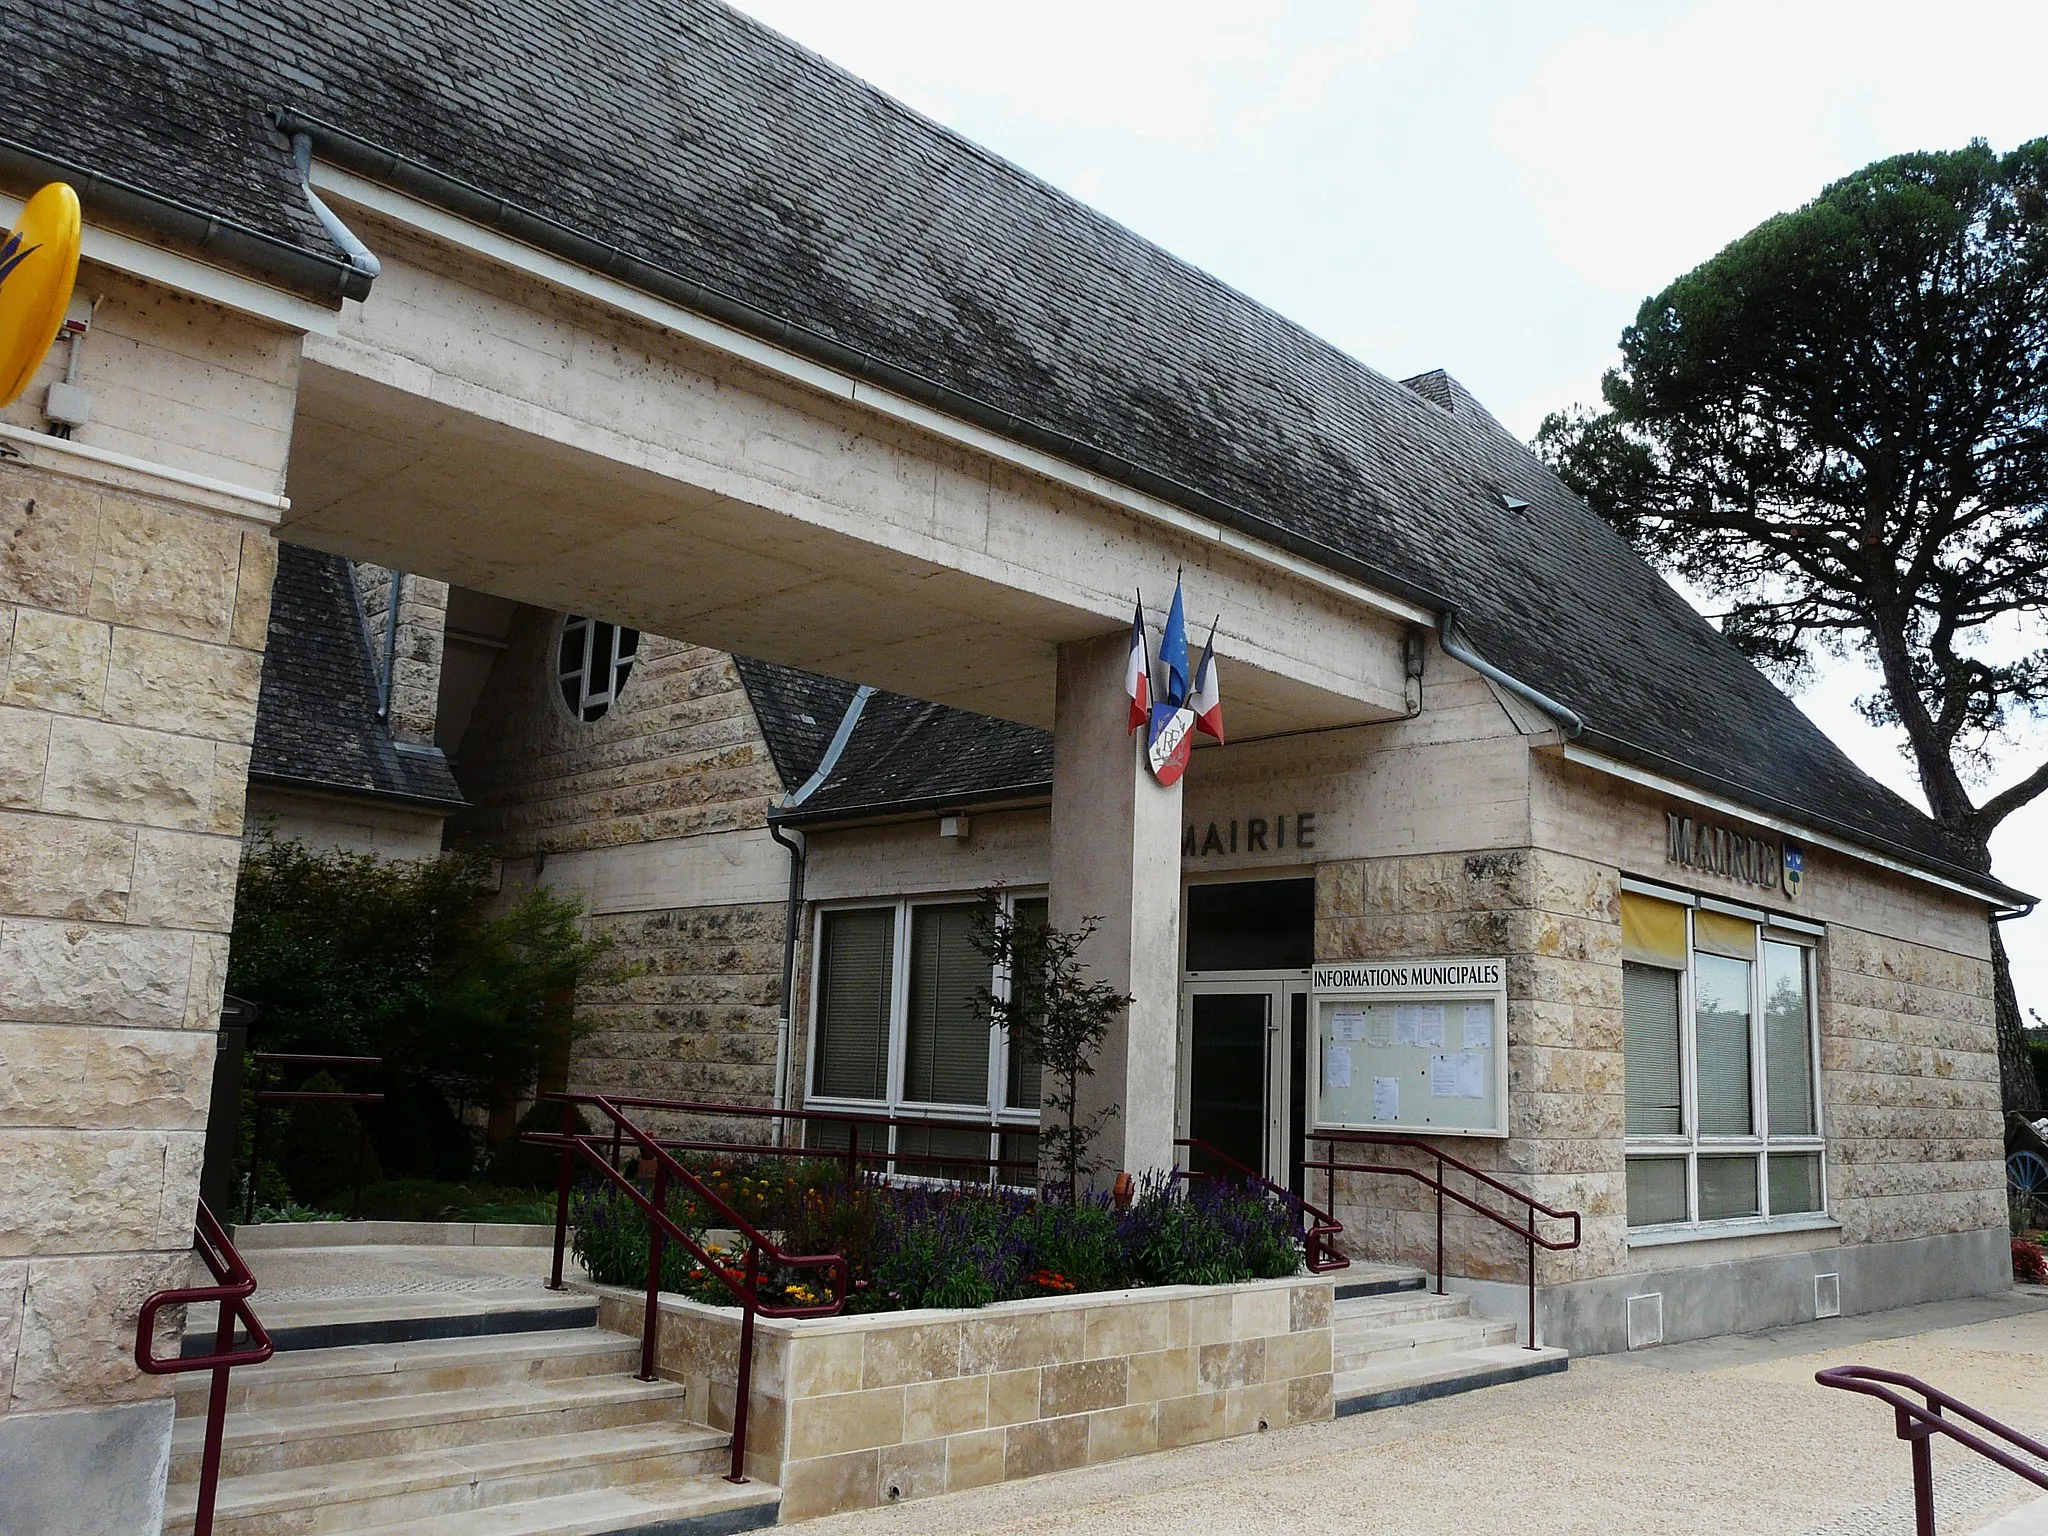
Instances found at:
x=593 y=663
x=1718 y=1061
x=898 y=1025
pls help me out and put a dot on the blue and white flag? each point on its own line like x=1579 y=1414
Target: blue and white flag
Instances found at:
x=1173 y=723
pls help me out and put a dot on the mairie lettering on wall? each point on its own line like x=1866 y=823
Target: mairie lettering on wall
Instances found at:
x=1285 y=833
x=1734 y=856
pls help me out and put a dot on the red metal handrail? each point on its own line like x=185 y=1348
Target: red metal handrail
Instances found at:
x=1525 y=1229
x=600 y=1151
x=1317 y=1236
x=265 y=1060
x=852 y=1154
x=1918 y=1424
x=237 y=1283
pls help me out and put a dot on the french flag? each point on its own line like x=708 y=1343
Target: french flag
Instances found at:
x=1207 y=699
x=1138 y=673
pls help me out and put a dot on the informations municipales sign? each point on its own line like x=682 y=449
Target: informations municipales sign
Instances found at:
x=1415 y=1045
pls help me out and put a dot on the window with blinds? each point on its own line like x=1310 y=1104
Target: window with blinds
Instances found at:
x=1718 y=1029
x=946 y=1047
x=1651 y=1068
x=856 y=966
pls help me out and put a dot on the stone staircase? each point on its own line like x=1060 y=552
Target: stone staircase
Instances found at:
x=446 y=1416
x=1395 y=1342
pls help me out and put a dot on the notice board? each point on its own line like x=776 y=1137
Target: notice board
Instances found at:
x=1411 y=1045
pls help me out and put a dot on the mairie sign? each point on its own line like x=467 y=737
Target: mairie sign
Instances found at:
x=38 y=264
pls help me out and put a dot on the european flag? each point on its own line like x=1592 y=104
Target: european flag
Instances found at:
x=1173 y=655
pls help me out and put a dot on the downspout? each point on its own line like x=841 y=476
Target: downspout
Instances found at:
x=798 y=855
x=1458 y=651
x=359 y=256
x=391 y=597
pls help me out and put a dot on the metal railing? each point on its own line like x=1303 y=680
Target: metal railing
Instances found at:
x=235 y=1285
x=601 y=1150
x=266 y=1061
x=1525 y=1228
x=1918 y=1423
x=1319 y=1229
x=852 y=1154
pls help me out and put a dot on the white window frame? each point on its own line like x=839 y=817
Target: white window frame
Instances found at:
x=587 y=695
x=1760 y=1143
x=894 y=1102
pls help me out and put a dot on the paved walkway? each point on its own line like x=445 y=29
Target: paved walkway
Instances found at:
x=1730 y=1437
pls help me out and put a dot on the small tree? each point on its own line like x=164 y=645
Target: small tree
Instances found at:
x=1839 y=425
x=1062 y=1018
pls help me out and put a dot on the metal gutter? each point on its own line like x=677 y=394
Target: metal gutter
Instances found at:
x=1458 y=651
x=352 y=791
x=1005 y=797
x=187 y=226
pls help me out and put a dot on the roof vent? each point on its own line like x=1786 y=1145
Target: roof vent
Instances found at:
x=1514 y=504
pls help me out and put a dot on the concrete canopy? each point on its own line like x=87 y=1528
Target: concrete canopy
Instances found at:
x=553 y=453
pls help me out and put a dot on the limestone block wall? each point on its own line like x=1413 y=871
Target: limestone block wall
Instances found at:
x=344 y=824
x=656 y=815
x=1557 y=920
x=1909 y=1062
x=131 y=647
x=854 y=1412
x=697 y=1021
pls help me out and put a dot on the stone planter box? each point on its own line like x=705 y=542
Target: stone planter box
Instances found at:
x=852 y=1412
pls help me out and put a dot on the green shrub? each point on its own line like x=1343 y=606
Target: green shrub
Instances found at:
x=317 y=1143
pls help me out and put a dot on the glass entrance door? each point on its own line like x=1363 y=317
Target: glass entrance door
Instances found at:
x=1239 y=1077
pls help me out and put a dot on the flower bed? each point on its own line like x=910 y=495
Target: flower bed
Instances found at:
x=852 y=1412
x=951 y=1245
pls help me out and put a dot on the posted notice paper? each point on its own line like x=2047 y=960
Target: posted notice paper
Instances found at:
x=1386 y=1098
x=1457 y=1075
x=1347 y=1024
x=1478 y=1029
x=1337 y=1067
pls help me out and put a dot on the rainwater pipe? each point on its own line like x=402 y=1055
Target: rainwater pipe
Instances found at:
x=799 y=849
x=359 y=255
x=1457 y=650
x=391 y=597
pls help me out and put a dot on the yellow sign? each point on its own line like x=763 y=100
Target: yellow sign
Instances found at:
x=38 y=264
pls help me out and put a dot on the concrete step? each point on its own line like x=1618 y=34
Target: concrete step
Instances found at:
x=1387 y=1311
x=1419 y=1341
x=344 y=1321
x=273 y=1440
x=2030 y=1519
x=1393 y=1384
x=350 y=1496
x=292 y=1379
x=707 y=1506
x=1366 y=1278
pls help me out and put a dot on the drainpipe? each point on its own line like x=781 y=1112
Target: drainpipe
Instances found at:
x=359 y=256
x=797 y=849
x=1458 y=651
x=391 y=597
x=798 y=853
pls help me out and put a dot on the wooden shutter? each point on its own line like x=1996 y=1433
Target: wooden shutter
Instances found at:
x=856 y=959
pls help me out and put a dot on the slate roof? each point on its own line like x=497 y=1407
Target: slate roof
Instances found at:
x=692 y=137
x=904 y=754
x=316 y=718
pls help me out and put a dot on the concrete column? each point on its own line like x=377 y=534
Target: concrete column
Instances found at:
x=1116 y=857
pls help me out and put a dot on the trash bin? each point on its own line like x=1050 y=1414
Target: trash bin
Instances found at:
x=223 y=1115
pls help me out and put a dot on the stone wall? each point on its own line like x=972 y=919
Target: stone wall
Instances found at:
x=1909 y=1062
x=131 y=643
x=656 y=816
x=854 y=1412
x=343 y=824
x=1557 y=920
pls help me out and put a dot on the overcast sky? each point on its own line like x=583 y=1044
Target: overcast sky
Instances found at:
x=1486 y=188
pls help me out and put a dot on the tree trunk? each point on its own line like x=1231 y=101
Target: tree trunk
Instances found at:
x=2021 y=1089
